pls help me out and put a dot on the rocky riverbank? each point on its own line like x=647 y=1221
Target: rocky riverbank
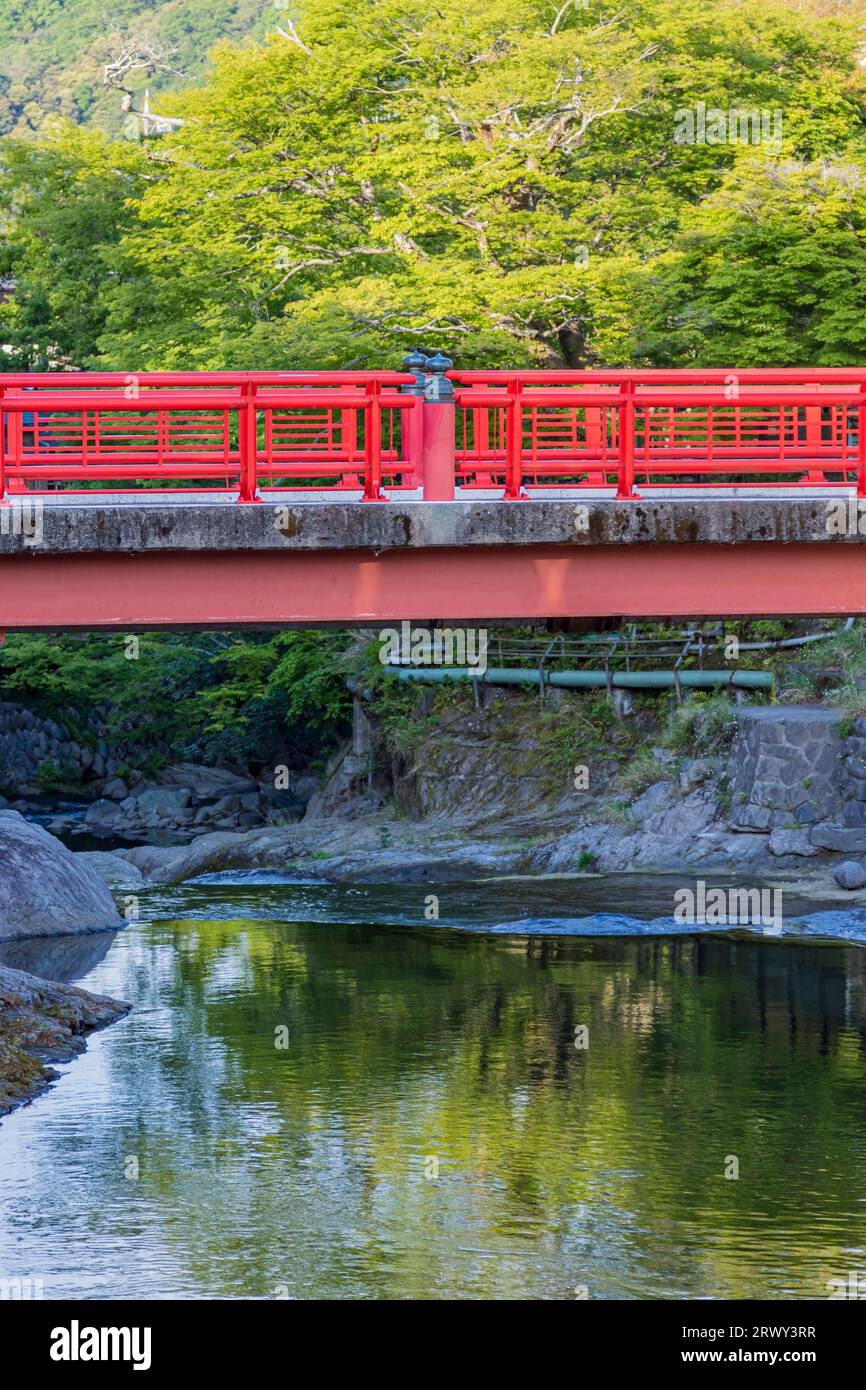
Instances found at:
x=782 y=795
x=45 y=891
x=41 y=1023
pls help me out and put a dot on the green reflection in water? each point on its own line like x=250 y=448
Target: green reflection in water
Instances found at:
x=304 y=1169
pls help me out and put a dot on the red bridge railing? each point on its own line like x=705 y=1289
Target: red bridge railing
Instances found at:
x=234 y=432
x=623 y=430
x=370 y=434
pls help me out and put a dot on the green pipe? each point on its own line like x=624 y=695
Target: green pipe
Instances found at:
x=579 y=680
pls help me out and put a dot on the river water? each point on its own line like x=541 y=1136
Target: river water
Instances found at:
x=319 y=1093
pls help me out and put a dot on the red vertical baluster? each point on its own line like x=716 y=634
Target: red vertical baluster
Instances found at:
x=513 y=441
x=373 y=444
x=626 y=442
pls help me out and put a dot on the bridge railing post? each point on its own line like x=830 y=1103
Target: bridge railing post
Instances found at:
x=248 y=444
x=4 y=425
x=373 y=444
x=625 y=486
x=412 y=422
x=514 y=442
x=861 y=442
x=439 y=414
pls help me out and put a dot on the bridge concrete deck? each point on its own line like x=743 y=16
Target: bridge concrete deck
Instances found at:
x=136 y=524
x=127 y=562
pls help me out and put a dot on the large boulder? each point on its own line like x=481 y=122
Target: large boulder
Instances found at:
x=208 y=783
x=112 y=868
x=45 y=889
x=850 y=875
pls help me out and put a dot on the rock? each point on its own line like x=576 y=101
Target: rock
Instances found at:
x=785 y=763
x=207 y=853
x=752 y=818
x=303 y=788
x=112 y=868
x=102 y=815
x=162 y=803
x=839 y=838
x=44 y=889
x=685 y=818
x=850 y=875
x=792 y=842
x=696 y=771
x=207 y=783
x=159 y=863
x=39 y=1023
x=663 y=755
x=116 y=789
x=656 y=798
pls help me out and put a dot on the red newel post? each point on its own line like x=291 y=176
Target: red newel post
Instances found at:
x=4 y=425
x=439 y=415
x=412 y=421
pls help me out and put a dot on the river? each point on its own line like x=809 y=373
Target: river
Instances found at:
x=320 y=1093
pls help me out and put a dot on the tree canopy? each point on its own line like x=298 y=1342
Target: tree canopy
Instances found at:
x=53 y=53
x=509 y=182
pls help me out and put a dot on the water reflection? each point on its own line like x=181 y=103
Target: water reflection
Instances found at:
x=307 y=1169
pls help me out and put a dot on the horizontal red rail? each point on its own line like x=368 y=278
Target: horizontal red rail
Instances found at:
x=366 y=434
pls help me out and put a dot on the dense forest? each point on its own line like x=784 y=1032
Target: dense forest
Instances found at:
x=514 y=182
x=54 y=53
x=530 y=182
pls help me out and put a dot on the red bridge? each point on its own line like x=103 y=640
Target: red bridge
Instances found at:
x=735 y=491
x=505 y=432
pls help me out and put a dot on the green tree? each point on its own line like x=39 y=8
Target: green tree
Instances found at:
x=497 y=179
x=510 y=182
x=70 y=199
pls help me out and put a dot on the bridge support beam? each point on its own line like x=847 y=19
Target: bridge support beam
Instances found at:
x=310 y=588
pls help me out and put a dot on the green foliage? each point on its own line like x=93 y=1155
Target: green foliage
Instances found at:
x=70 y=194
x=305 y=672
x=573 y=732
x=54 y=52
x=228 y=693
x=702 y=725
x=51 y=778
x=501 y=180
x=640 y=772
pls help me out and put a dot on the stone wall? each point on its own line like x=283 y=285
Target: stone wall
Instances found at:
x=785 y=768
x=81 y=749
x=799 y=773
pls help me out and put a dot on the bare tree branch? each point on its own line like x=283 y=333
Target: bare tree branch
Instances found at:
x=294 y=37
